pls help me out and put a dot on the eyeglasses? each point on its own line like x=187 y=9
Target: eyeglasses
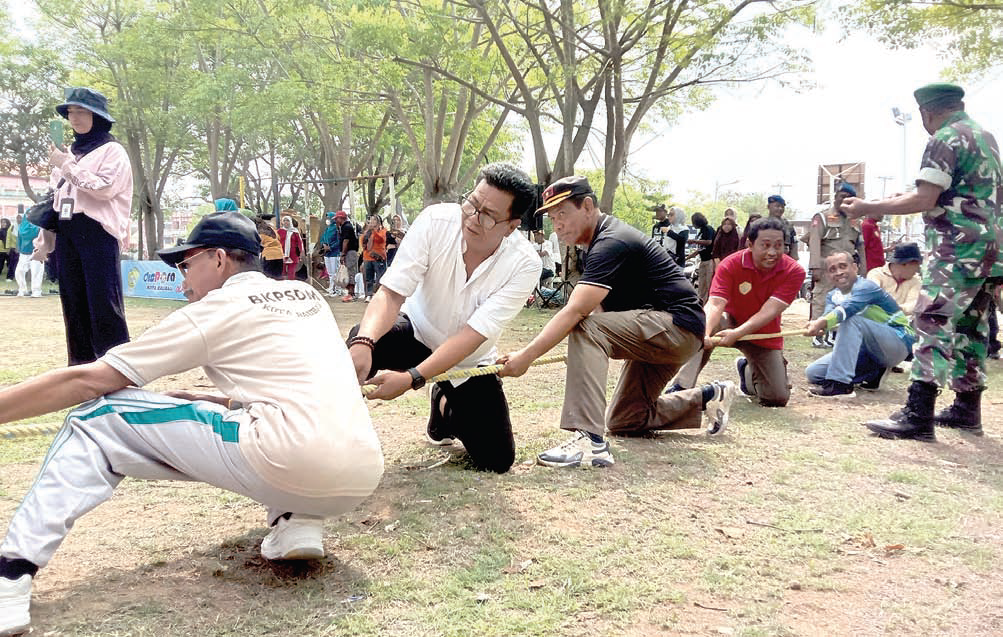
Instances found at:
x=484 y=219
x=183 y=264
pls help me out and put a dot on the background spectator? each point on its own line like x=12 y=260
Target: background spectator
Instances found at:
x=27 y=232
x=374 y=254
x=271 y=250
x=93 y=196
x=330 y=247
x=726 y=240
x=6 y=241
x=292 y=247
x=12 y=255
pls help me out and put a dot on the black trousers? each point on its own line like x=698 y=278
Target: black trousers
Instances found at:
x=90 y=289
x=12 y=258
x=476 y=411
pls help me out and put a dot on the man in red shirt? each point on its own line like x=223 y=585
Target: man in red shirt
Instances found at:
x=874 y=249
x=750 y=290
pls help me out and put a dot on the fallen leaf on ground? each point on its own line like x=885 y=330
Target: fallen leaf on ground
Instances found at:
x=894 y=547
x=535 y=584
x=730 y=532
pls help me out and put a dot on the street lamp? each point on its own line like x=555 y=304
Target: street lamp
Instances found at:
x=902 y=119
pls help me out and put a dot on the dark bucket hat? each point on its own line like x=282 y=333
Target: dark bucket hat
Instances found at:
x=87 y=98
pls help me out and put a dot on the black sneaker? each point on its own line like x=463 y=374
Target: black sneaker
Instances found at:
x=673 y=388
x=435 y=432
x=740 y=364
x=832 y=388
x=818 y=343
x=876 y=382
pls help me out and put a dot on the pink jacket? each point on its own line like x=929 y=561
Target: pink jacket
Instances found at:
x=100 y=184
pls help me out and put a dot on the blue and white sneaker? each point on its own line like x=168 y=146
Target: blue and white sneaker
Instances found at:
x=579 y=451
x=718 y=407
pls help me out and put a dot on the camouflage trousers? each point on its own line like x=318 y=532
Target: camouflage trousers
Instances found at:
x=952 y=329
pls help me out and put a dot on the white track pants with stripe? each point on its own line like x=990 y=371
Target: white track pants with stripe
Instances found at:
x=143 y=435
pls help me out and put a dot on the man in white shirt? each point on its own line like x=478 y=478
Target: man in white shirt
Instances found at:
x=290 y=431
x=460 y=275
x=543 y=248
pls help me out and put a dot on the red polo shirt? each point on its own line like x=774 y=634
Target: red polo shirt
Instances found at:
x=746 y=289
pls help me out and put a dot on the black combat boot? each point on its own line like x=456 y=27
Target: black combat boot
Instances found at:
x=917 y=421
x=964 y=415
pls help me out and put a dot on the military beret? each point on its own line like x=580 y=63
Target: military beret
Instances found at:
x=938 y=92
x=776 y=198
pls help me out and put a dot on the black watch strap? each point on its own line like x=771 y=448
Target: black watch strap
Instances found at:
x=417 y=380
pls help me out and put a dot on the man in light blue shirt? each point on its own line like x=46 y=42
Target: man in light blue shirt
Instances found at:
x=874 y=334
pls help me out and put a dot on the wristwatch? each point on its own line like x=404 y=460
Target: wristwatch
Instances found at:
x=417 y=380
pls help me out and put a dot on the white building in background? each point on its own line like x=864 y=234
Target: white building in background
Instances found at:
x=12 y=194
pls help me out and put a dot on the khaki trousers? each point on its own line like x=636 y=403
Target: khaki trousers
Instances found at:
x=765 y=375
x=654 y=348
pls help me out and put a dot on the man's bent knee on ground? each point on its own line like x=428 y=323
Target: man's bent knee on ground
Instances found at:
x=874 y=333
x=632 y=303
x=290 y=431
x=750 y=290
x=459 y=277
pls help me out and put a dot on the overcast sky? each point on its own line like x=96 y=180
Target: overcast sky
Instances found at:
x=766 y=135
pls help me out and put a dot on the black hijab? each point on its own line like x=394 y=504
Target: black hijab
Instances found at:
x=96 y=137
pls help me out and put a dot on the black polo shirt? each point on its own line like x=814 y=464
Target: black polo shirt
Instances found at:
x=639 y=274
x=348 y=234
x=706 y=234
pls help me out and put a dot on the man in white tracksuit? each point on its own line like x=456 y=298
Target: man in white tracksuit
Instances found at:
x=291 y=430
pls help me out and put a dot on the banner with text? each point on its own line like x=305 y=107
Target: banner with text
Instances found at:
x=151 y=280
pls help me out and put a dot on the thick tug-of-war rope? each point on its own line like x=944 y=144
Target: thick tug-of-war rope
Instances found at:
x=476 y=371
x=27 y=431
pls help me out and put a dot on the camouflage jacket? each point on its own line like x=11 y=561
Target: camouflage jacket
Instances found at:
x=963 y=231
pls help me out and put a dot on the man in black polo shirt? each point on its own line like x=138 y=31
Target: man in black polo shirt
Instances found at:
x=704 y=243
x=632 y=303
x=349 y=252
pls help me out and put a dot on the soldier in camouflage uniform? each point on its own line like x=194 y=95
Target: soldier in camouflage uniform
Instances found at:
x=959 y=191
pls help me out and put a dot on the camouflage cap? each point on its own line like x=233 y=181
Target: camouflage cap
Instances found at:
x=937 y=92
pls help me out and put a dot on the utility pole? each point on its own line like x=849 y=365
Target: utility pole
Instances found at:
x=718 y=185
x=884 y=183
x=902 y=119
x=780 y=188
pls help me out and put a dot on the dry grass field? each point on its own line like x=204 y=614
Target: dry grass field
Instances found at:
x=794 y=522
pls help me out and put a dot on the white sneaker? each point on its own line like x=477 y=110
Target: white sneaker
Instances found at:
x=718 y=407
x=579 y=451
x=22 y=293
x=36 y=295
x=294 y=539
x=15 y=600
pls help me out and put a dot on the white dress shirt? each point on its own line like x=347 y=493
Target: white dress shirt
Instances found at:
x=430 y=272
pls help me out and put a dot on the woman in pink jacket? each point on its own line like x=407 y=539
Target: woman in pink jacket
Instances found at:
x=93 y=199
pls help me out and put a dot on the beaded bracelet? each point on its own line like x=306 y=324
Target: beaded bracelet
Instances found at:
x=364 y=340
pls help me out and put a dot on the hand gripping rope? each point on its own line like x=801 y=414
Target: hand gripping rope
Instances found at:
x=27 y=431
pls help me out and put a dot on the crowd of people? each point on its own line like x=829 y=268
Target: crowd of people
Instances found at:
x=291 y=430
